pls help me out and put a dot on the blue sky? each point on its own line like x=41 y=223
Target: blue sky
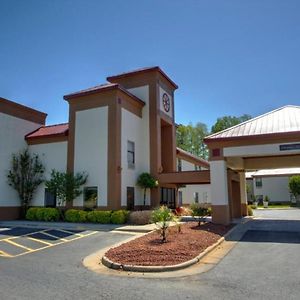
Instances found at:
x=228 y=57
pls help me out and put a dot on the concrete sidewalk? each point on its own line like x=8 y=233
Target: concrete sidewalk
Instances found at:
x=79 y=226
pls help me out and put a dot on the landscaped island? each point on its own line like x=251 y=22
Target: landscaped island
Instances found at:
x=181 y=246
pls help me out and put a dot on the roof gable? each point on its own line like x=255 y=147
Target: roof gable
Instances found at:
x=282 y=120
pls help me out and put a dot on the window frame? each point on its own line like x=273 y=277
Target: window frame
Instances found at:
x=84 y=196
x=131 y=164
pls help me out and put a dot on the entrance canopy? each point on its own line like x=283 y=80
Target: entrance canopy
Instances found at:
x=269 y=141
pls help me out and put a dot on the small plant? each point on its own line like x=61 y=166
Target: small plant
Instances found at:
x=198 y=211
x=266 y=201
x=250 y=211
x=162 y=217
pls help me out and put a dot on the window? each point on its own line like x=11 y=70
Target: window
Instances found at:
x=50 y=199
x=90 y=197
x=196 y=197
x=258 y=182
x=179 y=165
x=130 y=154
x=130 y=198
x=197 y=168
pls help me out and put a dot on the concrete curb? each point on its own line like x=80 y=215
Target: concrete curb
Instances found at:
x=134 y=268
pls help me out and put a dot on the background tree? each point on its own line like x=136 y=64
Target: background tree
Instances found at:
x=228 y=121
x=146 y=181
x=190 y=138
x=25 y=175
x=294 y=186
x=66 y=186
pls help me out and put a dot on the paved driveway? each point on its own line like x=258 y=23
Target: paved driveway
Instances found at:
x=265 y=264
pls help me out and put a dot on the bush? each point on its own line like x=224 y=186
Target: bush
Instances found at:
x=119 y=217
x=72 y=215
x=183 y=211
x=250 y=211
x=102 y=217
x=209 y=211
x=31 y=213
x=47 y=214
x=199 y=211
x=140 y=217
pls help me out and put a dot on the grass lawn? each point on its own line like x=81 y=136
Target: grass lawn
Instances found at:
x=276 y=205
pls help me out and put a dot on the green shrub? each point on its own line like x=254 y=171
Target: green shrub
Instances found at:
x=119 y=217
x=97 y=216
x=250 y=211
x=198 y=210
x=50 y=214
x=76 y=216
x=47 y=214
x=31 y=213
x=72 y=215
x=209 y=211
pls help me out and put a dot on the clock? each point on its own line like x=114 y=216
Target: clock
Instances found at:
x=166 y=102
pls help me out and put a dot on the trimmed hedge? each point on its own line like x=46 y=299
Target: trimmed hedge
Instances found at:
x=77 y=216
x=46 y=214
x=96 y=216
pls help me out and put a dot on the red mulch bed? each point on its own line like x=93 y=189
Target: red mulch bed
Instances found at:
x=148 y=250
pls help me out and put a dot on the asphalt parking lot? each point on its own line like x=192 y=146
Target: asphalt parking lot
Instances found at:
x=264 y=264
x=18 y=241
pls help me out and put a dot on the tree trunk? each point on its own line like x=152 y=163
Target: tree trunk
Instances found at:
x=145 y=197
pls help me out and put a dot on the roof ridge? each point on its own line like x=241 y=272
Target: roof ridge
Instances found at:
x=59 y=124
x=250 y=120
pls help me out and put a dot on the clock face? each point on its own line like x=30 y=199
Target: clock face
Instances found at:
x=166 y=102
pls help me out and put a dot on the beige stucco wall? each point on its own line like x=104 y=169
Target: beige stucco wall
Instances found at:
x=276 y=188
x=91 y=144
x=137 y=130
x=53 y=156
x=12 y=133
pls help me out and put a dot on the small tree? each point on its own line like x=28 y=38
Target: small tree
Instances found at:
x=146 y=181
x=198 y=211
x=162 y=217
x=25 y=175
x=294 y=186
x=66 y=186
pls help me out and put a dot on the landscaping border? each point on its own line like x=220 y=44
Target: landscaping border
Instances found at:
x=137 y=268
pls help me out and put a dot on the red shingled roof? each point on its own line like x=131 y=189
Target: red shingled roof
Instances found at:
x=50 y=130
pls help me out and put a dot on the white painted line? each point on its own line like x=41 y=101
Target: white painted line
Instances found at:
x=53 y=236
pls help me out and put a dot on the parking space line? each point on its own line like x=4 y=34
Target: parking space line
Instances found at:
x=53 y=236
x=47 y=244
x=5 y=254
x=17 y=245
x=39 y=241
x=70 y=232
